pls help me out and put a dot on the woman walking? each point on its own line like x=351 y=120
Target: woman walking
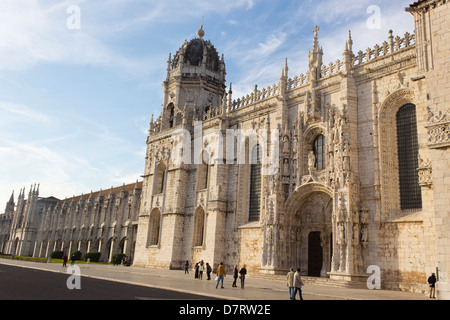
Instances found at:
x=235 y=275
x=242 y=274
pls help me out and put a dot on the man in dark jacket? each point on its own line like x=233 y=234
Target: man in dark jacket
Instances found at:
x=432 y=284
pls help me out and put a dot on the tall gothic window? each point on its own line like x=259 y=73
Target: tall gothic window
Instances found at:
x=153 y=232
x=171 y=110
x=160 y=177
x=203 y=171
x=319 y=149
x=199 y=227
x=255 y=184
x=408 y=150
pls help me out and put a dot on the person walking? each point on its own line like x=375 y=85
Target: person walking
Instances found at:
x=242 y=274
x=235 y=275
x=298 y=283
x=290 y=283
x=208 y=271
x=432 y=284
x=65 y=260
x=200 y=270
x=221 y=273
x=196 y=270
x=72 y=259
x=186 y=267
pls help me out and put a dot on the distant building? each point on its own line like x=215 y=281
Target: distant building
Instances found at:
x=102 y=221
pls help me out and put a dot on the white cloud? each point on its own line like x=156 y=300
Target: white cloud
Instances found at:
x=31 y=33
x=269 y=46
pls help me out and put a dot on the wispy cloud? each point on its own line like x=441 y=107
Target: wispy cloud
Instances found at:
x=32 y=33
x=266 y=48
x=21 y=113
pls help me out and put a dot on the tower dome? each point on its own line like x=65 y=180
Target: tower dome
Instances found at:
x=195 y=83
x=197 y=52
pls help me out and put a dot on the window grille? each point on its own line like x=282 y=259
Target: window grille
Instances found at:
x=319 y=149
x=408 y=150
x=155 y=219
x=255 y=185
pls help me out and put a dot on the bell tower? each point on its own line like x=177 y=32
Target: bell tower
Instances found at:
x=194 y=90
x=195 y=83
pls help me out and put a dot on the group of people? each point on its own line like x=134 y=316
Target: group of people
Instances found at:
x=201 y=267
x=295 y=284
x=239 y=274
x=221 y=273
x=72 y=259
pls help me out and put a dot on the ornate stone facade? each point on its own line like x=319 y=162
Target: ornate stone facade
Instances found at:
x=334 y=211
x=362 y=151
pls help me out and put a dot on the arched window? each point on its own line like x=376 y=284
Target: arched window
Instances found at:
x=203 y=172
x=160 y=177
x=199 y=227
x=319 y=149
x=171 y=110
x=153 y=231
x=255 y=184
x=408 y=150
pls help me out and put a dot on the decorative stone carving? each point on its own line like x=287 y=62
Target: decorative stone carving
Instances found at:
x=425 y=173
x=438 y=129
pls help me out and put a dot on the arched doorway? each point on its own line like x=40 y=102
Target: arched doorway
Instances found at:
x=315 y=254
x=309 y=222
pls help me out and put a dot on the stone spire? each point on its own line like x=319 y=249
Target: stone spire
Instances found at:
x=10 y=204
x=348 y=53
x=315 y=57
x=349 y=43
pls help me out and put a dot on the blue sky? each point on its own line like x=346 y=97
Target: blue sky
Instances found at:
x=75 y=104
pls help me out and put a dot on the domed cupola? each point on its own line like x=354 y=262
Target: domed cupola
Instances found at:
x=198 y=56
x=195 y=84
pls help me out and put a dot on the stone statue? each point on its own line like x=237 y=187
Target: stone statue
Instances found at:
x=286 y=145
x=340 y=234
x=311 y=161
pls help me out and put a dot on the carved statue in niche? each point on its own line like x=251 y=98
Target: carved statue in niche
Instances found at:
x=286 y=171
x=346 y=170
x=330 y=169
x=269 y=245
x=356 y=234
x=340 y=234
x=311 y=162
x=292 y=234
x=294 y=167
x=286 y=145
x=269 y=236
x=364 y=236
